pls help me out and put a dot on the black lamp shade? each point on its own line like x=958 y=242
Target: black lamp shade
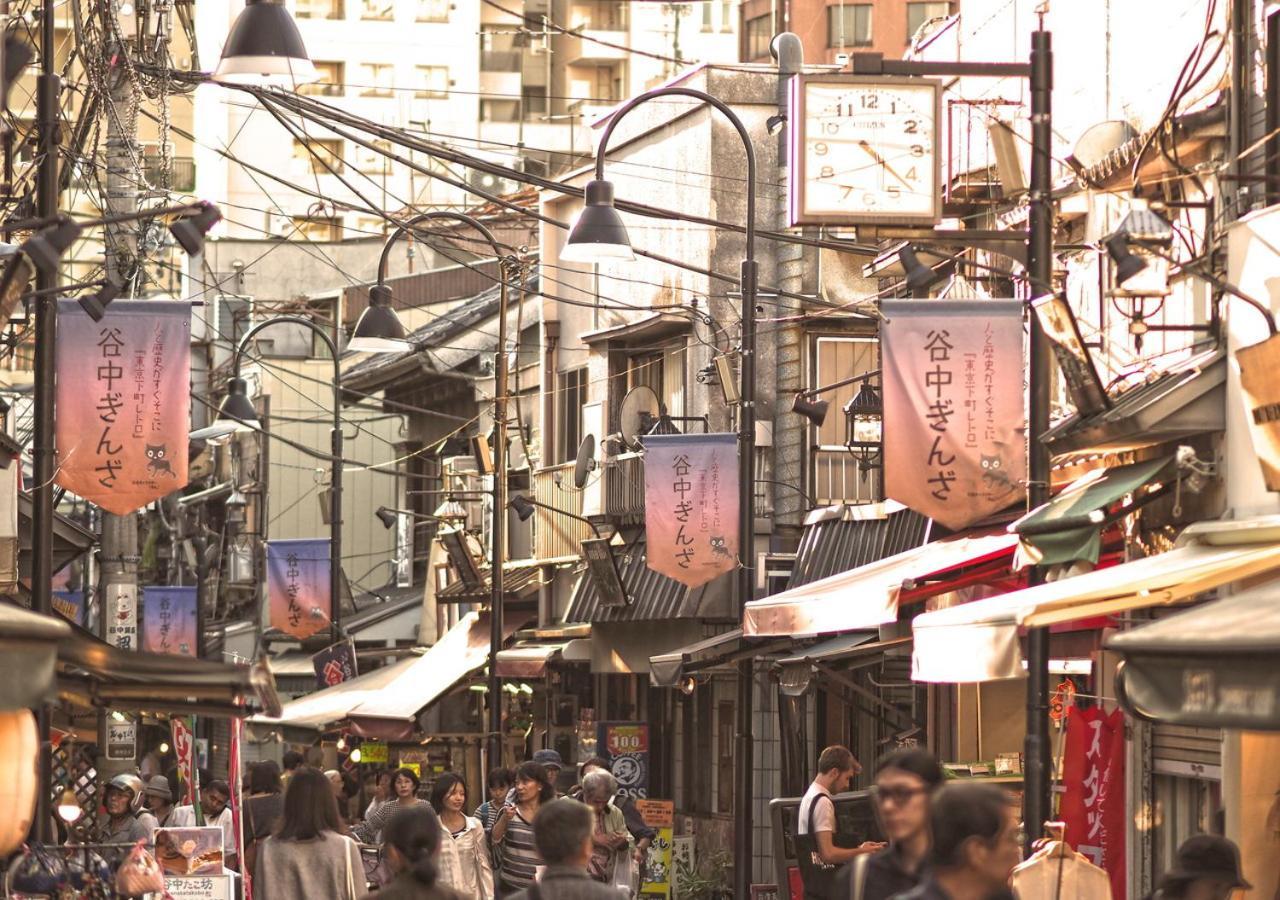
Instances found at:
x=190 y=231
x=265 y=47
x=95 y=305
x=45 y=248
x=599 y=233
x=813 y=410
x=379 y=329
x=237 y=408
x=919 y=276
x=523 y=506
x=1128 y=263
x=387 y=517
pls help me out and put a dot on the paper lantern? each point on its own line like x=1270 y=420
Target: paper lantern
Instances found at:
x=18 y=777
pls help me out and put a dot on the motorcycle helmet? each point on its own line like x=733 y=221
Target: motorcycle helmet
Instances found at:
x=130 y=784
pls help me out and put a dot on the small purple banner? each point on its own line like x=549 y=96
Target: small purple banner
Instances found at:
x=298 y=586
x=335 y=664
x=169 y=620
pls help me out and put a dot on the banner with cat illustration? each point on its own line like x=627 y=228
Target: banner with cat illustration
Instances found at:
x=169 y=620
x=691 y=505
x=955 y=430
x=298 y=586
x=124 y=401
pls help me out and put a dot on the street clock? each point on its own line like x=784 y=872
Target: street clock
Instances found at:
x=865 y=149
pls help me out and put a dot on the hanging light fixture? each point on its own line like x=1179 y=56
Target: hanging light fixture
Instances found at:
x=864 y=427
x=190 y=231
x=69 y=809
x=95 y=304
x=379 y=329
x=451 y=512
x=237 y=411
x=265 y=48
x=599 y=234
x=1140 y=272
x=919 y=276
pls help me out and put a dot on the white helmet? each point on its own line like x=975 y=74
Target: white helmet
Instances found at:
x=130 y=784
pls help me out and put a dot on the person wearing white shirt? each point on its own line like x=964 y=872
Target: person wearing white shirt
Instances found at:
x=215 y=798
x=817 y=815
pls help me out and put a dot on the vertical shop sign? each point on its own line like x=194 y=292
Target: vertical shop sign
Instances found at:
x=955 y=445
x=626 y=748
x=184 y=748
x=122 y=615
x=124 y=402
x=335 y=664
x=691 y=505
x=298 y=586
x=1093 y=803
x=169 y=620
x=655 y=872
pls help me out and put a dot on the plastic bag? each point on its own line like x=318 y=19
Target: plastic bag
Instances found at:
x=39 y=871
x=139 y=874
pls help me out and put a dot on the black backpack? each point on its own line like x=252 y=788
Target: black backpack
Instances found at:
x=818 y=877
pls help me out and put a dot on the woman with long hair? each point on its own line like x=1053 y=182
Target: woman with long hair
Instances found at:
x=464 y=851
x=412 y=842
x=404 y=787
x=514 y=827
x=308 y=855
x=263 y=807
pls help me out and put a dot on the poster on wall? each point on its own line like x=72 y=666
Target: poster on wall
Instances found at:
x=124 y=402
x=625 y=745
x=1093 y=801
x=955 y=443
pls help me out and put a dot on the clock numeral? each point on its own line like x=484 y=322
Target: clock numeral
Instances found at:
x=827 y=172
x=830 y=127
x=911 y=175
x=894 y=191
x=821 y=149
x=917 y=150
x=911 y=126
x=870 y=101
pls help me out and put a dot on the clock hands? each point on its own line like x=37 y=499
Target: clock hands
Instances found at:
x=874 y=154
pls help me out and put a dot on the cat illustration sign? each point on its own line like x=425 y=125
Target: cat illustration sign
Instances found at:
x=124 y=402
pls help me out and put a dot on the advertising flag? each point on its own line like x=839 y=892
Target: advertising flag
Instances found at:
x=169 y=620
x=335 y=664
x=184 y=748
x=298 y=586
x=955 y=443
x=124 y=401
x=1093 y=801
x=691 y=505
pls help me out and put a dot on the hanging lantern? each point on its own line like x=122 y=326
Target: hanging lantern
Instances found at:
x=19 y=747
x=864 y=427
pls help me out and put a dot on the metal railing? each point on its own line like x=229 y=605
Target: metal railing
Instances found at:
x=624 y=489
x=556 y=535
x=837 y=478
x=500 y=61
x=182 y=172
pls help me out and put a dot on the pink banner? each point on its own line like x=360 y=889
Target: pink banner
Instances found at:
x=298 y=586
x=691 y=505
x=1093 y=778
x=955 y=446
x=169 y=620
x=124 y=402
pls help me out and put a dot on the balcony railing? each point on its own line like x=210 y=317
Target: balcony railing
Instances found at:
x=837 y=478
x=182 y=172
x=556 y=535
x=623 y=501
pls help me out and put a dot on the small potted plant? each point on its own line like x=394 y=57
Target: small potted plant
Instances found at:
x=706 y=880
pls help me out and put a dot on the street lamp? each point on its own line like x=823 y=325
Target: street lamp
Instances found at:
x=599 y=235
x=864 y=427
x=526 y=506
x=380 y=297
x=237 y=412
x=264 y=47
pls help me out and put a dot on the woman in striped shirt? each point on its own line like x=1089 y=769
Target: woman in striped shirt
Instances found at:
x=514 y=828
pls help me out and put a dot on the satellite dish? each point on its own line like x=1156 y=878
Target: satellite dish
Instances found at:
x=1101 y=139
x=585 y=463
x=640 y=403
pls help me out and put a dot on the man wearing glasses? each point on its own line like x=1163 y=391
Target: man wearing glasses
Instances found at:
x=905 y=780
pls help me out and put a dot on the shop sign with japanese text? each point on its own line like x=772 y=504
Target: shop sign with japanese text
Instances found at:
x=122 y=616
x=335 y=664
x=656 y=876
x=955 y=446
x=691 y=505
x=169 y=620
x=1093 y=798
x=298 y=586
x=124 y=402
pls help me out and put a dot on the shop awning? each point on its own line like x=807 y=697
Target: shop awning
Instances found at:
x=28 y=656
x=980 y=641
x=1069 y=527
x=867 y=597
x=1211 y=667
x=673 y=667
x=531 y=659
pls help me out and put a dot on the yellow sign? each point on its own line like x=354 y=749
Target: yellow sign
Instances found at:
x=655 y=875
x=374 y=752
x=415 y=768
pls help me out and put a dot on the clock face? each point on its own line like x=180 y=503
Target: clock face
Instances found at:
x=866 y=151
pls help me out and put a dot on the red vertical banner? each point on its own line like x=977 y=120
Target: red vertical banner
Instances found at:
x=1093 y=801
x=184 y=748
x=235 y=777
x=691 y=505
x=124 y=402
x=955 y=444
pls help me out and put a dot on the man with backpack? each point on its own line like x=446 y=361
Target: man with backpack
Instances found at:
x=816 y=826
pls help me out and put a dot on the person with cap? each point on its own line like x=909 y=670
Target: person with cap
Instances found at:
x=123 y=823
x=159 y=799
x=1206 y=867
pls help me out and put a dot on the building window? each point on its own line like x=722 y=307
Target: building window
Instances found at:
x=535 y=100
x=835 y=475
x=849 y=25
x=573 y=396
x=498 y=51
x=759 y=34
x=726 y=17
x=499 y=110
x=433 y=10
x=919 y=13
x=379 y=10
x=377 y=79
x=318 y=228
x=706 y=15
x=332 y=82
x=319 y=9
x=322 y=156
x=375 y=160
x=433 y=81
x=662 y=371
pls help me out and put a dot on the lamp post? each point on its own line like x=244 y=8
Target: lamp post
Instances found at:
x=380 y=298
x=601 y=235
x=525 y=506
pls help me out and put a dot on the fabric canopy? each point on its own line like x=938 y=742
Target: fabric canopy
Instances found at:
x=1210 y=667
x=529 y=660
x=29 y=653
x=1069 y=527
x=673 y=667
x=867 y=597
x=979 y=641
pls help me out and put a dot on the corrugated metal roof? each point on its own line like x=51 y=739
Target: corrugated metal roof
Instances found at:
x=424 y=288
x=652 y=595
x=517 y=583
x=841 y=538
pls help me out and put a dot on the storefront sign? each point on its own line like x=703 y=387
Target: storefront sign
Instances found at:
x=190 y=851
x=169 y=620
x=955 y=444
x=374 y=753
x=655 y=872
x=184 y=749
x=199 y=887
x=335 y=664
x=1093 y=802
x=122 y=740
x=1079 y=374
x=691 y=505
x=124 y=402
x=1063 y=698
x=122 y=615
x=626 y=747
x=298 y=586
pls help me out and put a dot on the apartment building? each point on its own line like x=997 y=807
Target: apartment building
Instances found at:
x=832 y=29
